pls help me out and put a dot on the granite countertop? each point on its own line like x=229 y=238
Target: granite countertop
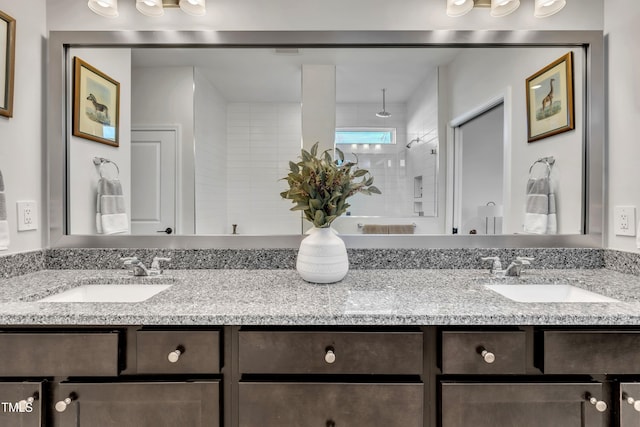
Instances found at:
x=280 y=297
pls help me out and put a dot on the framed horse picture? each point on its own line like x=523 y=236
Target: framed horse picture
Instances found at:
x=7 y=63
x=550 y=99
x=96 y=101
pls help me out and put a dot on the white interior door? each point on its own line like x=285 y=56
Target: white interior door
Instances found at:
x=479 y=159
x=153 y=178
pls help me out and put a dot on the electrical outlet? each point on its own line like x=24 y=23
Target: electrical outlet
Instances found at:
x=27 y=216
x=624 y=221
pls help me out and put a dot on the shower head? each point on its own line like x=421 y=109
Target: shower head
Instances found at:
x=384 y=113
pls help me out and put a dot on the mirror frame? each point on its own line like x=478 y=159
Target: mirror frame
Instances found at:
x=594 y=127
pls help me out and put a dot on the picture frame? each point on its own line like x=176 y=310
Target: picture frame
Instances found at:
x=550 y=108
x=96 y=104
x=7 y=63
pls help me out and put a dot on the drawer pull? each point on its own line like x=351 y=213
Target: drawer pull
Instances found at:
x=61 y=406
x=174 y=356
x=487 y=356
x=631 y=401
x=24 y=404
x=330 y=355
x=600 y=405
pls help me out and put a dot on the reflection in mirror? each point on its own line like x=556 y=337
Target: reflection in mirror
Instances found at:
x=207 y=133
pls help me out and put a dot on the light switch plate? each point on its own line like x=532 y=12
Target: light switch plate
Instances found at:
x=624 y=220
x=27 y=215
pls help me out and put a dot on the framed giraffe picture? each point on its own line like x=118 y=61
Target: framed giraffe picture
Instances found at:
x=96 y=101
x=550 y=99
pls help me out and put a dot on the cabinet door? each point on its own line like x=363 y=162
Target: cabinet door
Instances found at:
x=20 y=404
x=157 y=404
x=522 y=405
x=630 y=405
x=330 y=404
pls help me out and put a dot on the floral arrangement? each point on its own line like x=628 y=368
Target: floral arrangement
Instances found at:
x=320 y=186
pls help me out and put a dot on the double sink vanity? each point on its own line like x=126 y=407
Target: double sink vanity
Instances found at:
x=383 y=347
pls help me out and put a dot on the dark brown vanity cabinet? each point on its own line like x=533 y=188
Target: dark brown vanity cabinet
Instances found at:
x=137 y=404
x=330 y=378
x=521 y=404
x=21 y=404
x=127 y=377
x=629 y=410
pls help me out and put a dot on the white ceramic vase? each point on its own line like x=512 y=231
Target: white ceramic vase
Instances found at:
x=322 y=257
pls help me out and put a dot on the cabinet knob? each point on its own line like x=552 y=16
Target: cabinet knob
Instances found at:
x=631 y=401
x=174 y=356
x=486 y=355
x=600 y=405
x=23 y=405
x=61 y=406
x=330 y=355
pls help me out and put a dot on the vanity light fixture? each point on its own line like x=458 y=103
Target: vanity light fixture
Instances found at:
x=384 y=113
x=154 y=8
x=106 y=8
x=499 y=8
x=546 y=8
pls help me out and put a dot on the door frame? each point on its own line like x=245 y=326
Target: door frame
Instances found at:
x=453 y=211
x=177 y=131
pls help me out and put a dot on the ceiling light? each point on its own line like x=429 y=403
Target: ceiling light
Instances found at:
x=150 y=7
x=458 y=7
x=108 y=8
x=384 y=113
x=193 y=7
x=546 y=8
x=503 y=7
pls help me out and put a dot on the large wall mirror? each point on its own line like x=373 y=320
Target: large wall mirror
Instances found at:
x=207 y=123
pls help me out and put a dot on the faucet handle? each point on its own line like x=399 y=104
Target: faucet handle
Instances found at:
x=524 y=260
x=130 y=260
x=496 y=265
x=155 y=264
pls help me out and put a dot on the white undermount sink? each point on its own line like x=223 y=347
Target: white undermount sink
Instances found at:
x=548 y=293
x=107 y=293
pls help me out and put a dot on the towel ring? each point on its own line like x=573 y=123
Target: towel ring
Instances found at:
x=548 y=161
x=100 y=161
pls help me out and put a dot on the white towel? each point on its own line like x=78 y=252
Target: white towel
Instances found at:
x=4 y=225
x=540 y=214
x=111 y=214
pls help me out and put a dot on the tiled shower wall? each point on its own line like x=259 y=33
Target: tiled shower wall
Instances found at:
x=261 y=140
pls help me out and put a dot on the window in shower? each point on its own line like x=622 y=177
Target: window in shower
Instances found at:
x=366 y=135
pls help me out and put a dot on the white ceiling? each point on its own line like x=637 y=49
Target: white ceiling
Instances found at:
x=263 y=75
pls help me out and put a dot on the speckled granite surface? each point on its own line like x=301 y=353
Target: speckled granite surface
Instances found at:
x=21 y=263
x=624 y=262
x=276 y=259
x=280 y=297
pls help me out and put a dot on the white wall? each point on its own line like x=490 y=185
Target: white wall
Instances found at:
x=164 y=96
x=483 y=74
x=210 y=123
x=116 y=63
x=22 y=154
x=323 y=15
x=622 y=36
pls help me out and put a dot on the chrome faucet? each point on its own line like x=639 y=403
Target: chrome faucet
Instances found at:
x=137 y=268
x=514 y=268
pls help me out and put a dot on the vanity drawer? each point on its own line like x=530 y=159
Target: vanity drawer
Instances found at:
x=302 y=352
x=330 y=404
x=505 y=352
x=591 y=352
x=59 y=354
x=199 y=352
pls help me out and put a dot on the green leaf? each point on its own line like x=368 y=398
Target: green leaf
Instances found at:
x=374 y=190
x=360 y=172
x=314 y=149
x=318 y=220
x=300 y=207
x=315 y=203
x=340 y=154
x=294 y=167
